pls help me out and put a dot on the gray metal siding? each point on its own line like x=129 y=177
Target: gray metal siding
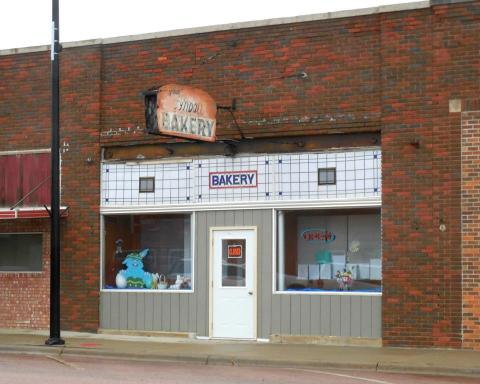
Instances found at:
x=325 y=315
x=286 y=314
x=152 y=311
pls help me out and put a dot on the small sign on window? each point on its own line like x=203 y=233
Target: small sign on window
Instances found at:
x=235 y=251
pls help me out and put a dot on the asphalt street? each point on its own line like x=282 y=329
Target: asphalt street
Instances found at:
x=17 y=368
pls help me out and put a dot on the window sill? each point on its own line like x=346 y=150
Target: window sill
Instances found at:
x=148 y=290
x=328 y=293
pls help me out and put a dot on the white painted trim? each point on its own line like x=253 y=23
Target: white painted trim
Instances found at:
x=255 y=284
x=193 y=236
x=231 y=26
x=24 y=209
x=210 y=281
x=280 y=251
x=318 y=293
x=235 y=205
x=274 y=251
x=102 y=252
x=25 y=151
x=210 y=277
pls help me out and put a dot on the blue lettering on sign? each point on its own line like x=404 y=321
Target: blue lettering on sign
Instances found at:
x=237 y=179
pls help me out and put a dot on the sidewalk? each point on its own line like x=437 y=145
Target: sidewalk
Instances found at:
x=431 y=361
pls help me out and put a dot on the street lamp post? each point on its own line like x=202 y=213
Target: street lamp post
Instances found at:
x=55 y=338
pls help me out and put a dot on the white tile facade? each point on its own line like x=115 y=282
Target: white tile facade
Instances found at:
x=281 y=177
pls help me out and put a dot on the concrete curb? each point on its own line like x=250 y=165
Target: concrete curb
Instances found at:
x=206 y=359
x=428 y=370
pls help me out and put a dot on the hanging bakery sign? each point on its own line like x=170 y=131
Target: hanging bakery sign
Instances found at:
x=187 y=112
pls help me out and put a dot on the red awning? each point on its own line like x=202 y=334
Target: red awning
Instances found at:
x=29 y=213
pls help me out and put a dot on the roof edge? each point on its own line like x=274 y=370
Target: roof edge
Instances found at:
x=238 y=25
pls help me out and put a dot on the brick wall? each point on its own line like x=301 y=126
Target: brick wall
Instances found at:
x=24 y=118
x=25 y=124
x=471 y=224
x=80 y=121
x=25 y=297
x=259 y=67
x=392 y=72
x=24 y=101
x=429 y=59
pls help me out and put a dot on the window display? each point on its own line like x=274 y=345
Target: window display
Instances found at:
x=329 y=250
x=148 y=252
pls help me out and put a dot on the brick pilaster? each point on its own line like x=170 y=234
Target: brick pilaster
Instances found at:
x=471 y=227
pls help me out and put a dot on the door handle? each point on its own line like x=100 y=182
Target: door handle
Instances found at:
x=250 y=293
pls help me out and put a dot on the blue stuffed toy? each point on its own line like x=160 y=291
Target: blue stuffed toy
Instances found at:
x=134 y=276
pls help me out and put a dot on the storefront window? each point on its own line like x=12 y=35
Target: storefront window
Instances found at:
x=20 y=252
x=148 y=252
x=329 y=251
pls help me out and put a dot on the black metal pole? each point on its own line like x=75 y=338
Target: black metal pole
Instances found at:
x=54 y=338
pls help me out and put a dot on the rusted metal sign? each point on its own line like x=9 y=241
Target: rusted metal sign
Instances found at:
x=186 y=112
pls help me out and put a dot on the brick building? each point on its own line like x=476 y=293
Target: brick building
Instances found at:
x=357 y=135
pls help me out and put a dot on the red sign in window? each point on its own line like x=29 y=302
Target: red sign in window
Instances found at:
x=234 y=251
x=315 y=234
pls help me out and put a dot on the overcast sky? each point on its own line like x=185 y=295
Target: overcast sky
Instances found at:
x=25 y=23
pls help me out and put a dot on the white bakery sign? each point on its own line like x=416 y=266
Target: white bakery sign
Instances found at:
x=233 y=179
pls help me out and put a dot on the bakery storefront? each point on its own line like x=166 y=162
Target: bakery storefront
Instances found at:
x=244 y=245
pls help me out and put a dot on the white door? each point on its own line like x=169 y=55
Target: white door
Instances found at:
x=233 y=283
